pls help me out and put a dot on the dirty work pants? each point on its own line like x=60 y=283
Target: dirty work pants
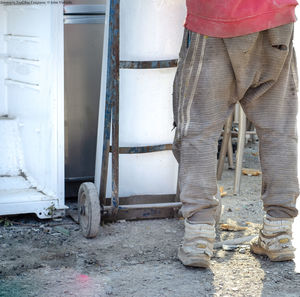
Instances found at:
x=259 y=71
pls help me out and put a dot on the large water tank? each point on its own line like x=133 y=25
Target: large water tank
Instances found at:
x=149 y=30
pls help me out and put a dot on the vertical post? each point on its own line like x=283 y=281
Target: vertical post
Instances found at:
x=224 y=146
x=114 y=44
x=106 y=142
x=240 y=151
x=230 y=153
x=112 y=109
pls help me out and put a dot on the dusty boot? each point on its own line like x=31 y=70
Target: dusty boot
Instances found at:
x=274 y=240
x=197 y=247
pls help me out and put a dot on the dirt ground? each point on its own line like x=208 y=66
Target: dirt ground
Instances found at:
x=51 y=258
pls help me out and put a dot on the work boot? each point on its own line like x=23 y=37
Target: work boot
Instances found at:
x=274 y=240
x=197 y=247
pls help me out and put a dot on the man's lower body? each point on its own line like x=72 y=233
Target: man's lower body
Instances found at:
x=259 y=71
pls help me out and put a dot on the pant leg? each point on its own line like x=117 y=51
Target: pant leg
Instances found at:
x=271 y=104
x=204 y=92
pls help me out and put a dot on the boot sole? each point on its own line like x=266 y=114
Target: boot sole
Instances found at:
x=201 y=261
x=273 y=256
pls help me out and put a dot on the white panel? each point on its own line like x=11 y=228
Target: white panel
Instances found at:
x=11 y=159
x=20 y=196
x=37 y=112
x=19 y=46
x=141 y=174
x=33 y=82
x=13 y=183
x=23 y=71
x=3 y=102
x=151 y=29
x=29 y=20
x=146 y=107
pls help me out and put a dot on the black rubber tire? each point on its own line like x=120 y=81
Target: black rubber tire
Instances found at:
x=89 y=214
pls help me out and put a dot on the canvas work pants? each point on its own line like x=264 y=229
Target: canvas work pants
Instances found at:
x=259 y=71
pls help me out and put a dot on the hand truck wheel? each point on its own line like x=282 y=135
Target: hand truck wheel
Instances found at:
x=89 y=210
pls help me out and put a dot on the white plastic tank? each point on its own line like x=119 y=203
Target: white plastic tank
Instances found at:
x=149 y=30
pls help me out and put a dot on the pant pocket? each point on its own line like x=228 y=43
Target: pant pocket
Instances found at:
x=280 y=37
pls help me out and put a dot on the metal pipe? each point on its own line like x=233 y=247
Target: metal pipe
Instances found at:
x=240 y=151
x=236 y=113
x=154 y=205
x=145 y=206
x=80 y=179
x=84 y=19
x=108 y=103
x=84 y=9
x=230 y=153
x=144 y=149
x=148 y=64
x=114 y=44
x=106 y=143
x=224 y=146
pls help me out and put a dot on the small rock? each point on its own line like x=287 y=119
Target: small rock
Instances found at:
x=91 y=261
x=242 y=251
x=56 y=234
x=57 y=220
x=62 y=230
x=109 y=291
x=46 y=229
x=229 y=248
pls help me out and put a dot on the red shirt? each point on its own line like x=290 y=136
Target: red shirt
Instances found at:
x=230 y=18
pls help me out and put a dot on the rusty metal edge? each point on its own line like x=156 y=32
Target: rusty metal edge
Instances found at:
x=114 y=44
x=148 y=64
x=144 y=149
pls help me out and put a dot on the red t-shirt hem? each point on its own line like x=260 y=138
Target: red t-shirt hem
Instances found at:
x=232 y=28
